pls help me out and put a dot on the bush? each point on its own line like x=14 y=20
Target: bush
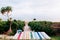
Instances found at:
x=5 y=25
x=42 y=26
x=2 y=26
x=35 y=26
x=16 y=25
x=21 y=24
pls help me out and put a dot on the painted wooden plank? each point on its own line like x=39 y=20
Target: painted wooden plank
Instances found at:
x=16 y=36
x=35 y=36
x=21 y=36
x=45 y=35
x=31 y=35
x=27 y=35
x=41 y=36
x=24 y=35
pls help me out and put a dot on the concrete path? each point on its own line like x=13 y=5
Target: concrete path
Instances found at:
x=26 y=27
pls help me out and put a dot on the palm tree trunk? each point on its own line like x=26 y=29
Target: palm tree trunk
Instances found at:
x=10 y=27
x=8 y=16
x=10 y=30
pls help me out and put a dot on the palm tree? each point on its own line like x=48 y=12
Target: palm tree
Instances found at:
x=6 y=10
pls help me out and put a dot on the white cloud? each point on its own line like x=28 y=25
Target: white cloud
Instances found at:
x=40 y=9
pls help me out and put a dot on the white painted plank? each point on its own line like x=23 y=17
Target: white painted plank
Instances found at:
x=35 y=36
x=16 y=36
x=45 y=35
x=41 y=36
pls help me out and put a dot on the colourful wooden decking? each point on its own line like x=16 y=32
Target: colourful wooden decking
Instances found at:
x=28 y=35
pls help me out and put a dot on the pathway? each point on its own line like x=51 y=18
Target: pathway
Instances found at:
x=26 y=27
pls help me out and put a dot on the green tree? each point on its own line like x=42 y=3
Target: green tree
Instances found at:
x=14 y=26
x=17 y=25
x=7 y=10
x=2 y=27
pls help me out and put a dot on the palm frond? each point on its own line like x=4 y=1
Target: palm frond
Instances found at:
x=8 y=9
x=3 y=10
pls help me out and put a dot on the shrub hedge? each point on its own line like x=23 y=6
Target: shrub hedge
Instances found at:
x=34 y=25
x=41 y=26
x=15 y=25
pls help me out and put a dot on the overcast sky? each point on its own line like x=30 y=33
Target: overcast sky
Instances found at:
x=48 y=10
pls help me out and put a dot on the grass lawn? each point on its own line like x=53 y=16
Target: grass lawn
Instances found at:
x=55 y=37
